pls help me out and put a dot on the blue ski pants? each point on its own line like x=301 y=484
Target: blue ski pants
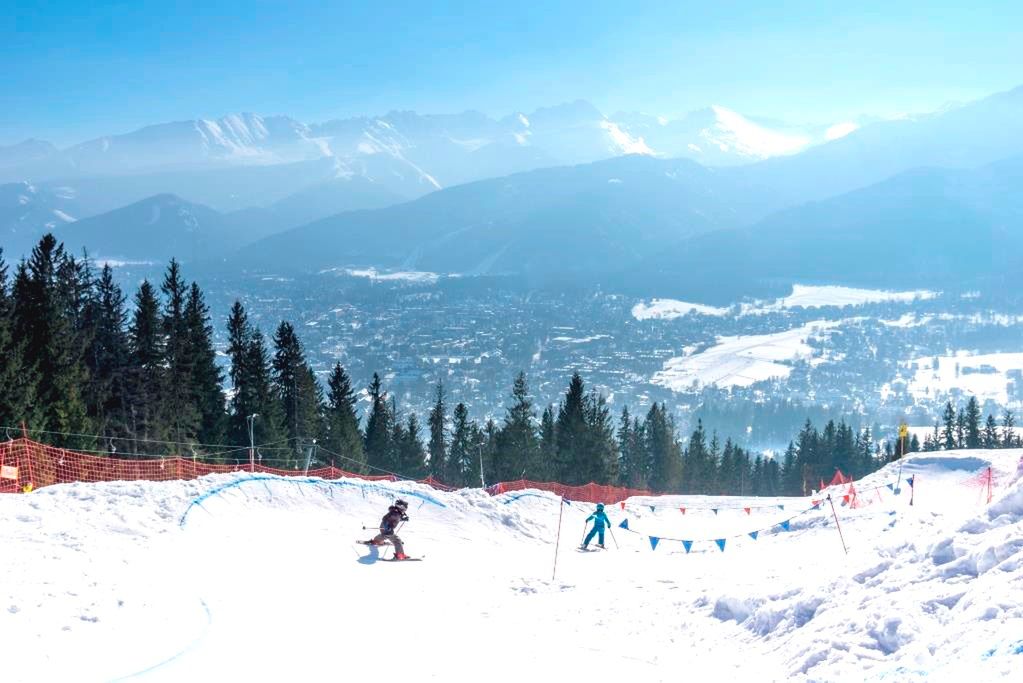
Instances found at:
x=599 y=533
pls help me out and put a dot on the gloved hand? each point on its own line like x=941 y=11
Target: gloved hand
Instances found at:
x=404 y=517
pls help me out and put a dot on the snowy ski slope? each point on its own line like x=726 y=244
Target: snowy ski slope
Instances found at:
x=261 y=580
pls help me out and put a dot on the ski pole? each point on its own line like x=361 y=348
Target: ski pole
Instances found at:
x=613 y=536
x=586 y=524
x=839 y=526
x=557 y=542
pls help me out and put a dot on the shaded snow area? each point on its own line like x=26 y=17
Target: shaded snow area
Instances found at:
x=261 y=580
x=988 y=376
x=742 y=361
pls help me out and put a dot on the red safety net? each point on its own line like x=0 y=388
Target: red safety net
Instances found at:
x=26 y=465
x=587 y=493
x=984 y=481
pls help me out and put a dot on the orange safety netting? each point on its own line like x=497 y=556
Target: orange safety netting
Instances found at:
x=26 y=465
x=587 y=493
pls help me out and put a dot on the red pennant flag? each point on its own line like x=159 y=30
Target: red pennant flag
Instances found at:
x=623 y=504
x=747 y=510
x=845 y=498
x=683 y=510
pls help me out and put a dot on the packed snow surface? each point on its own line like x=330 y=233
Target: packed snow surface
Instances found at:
x=669 y=309
x=260 y=580
x=741 y=361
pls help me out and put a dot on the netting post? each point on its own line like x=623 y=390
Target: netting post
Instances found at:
x=989 y=484
x=839 y=526
x=557 y=541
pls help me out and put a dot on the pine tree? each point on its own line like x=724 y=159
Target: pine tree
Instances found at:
x=299 y=393
x=663 y=449
x=378 y=429
x=600 y=450
x=697 y=462
x=791 y=479
x=411 y=454
x=990 y=437
x=207 y=394
x=261 y=400
x=107 y=358
x=972 y=439
x=17 y=379
x=517 y=444
x=948 y=435
x=960 y=429
x=1009 y=438
x=146 y=377
x=547 y=462
x=569 y=431
x=438 y=446
x=632 y=460
x=459 y=470
x=343 y=435
x=182 y=415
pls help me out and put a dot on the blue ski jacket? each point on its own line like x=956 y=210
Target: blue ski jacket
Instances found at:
x=600 y=520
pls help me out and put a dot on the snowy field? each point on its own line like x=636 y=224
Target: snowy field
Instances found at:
x=261 y=581
x=741 y=361
x=805 y=296
x=986 y=376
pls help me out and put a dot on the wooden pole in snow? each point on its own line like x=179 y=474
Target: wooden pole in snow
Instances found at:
x=835 y=514
x=557 y=542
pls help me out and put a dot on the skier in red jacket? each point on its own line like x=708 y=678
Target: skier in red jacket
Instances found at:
x=389 y=525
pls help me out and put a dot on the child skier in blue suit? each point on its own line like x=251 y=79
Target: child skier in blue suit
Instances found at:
x=600 y=521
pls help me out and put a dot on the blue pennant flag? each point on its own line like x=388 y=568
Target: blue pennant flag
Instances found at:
x=624 y=524
x=715 y=510
x=781 y=507
x=754 y=534
x=817 y=505
x=653 y=542
x=910 y=481
x=891 y=487
x=653 y=509
x=785 y=525
x=721 y=544
x=688 y=545
x=897 y=490
x=566 y=501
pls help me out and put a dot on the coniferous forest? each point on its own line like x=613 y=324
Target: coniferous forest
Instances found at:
x=83 y=366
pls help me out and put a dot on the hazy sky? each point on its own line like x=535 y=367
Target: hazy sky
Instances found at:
x=73 y=70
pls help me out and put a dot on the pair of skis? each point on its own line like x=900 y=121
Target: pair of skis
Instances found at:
x=391 y=559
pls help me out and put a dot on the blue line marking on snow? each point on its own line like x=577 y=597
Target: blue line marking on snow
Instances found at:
x=188 y=648
x=265 y=478
x=512 y=497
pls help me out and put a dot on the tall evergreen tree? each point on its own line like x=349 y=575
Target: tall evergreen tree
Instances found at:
x=107 y=358
x=438 y=446
x=182 y=415
x=17 y=378
x=261 y=400
x=379 y=425
x=343 y=434
x=146 y=376
x=663 y=449
x=517 y=447
x=462 y=463
x=948 y=434
x=989 y=439
x=298 y=391
x=960 y=429
x=1009 y=438
x=206 y=381
x=972 y=417
x=548 y=447
x=411 y=454
x=570 y=430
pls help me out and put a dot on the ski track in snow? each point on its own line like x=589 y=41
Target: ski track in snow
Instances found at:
x=263 y=581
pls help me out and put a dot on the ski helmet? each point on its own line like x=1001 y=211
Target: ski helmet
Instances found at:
x=401 y=505
x=600 y=506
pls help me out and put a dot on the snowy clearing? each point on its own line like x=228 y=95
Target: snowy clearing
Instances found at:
x=808 y=296
x=262 y=581
x=986 y=376
x=669 y=309
x=742 y=360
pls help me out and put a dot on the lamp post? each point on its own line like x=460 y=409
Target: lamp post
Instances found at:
x=252 y=445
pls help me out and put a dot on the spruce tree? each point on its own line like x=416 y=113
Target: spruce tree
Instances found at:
x=664 y=451
x=17 y=378
x=182 y=415
x=569 y=431
x=107 y=358
x=260 y=399
x=948 y=434
x=960 y=429
x=517 y=446
x=378 y=428
x=600 y=450
x=411 y=454
x=343 y=434
x=972 y=423
x=298 y=392
x=1009 y=438
x=547 y=462
x=206 y=381
x=462 y=465
x=146 y=377
x=990 y=437
x=438 y=446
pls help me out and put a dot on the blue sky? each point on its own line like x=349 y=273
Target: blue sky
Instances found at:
x=73 y=70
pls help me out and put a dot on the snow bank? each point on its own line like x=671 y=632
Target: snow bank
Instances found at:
x=238 y=578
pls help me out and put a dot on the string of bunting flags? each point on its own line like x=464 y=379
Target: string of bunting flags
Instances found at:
x=687 y=543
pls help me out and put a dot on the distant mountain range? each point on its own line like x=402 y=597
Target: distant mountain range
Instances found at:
x=562 y=194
